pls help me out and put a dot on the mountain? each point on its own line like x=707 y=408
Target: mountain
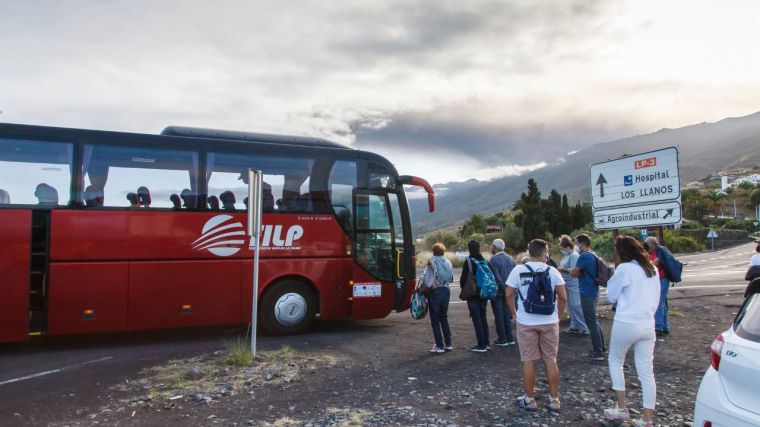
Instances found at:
x=703 y=149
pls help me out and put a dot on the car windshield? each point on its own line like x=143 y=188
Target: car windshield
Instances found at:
x=747 y=323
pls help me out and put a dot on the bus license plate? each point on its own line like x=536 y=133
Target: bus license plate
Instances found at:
x=367 y=290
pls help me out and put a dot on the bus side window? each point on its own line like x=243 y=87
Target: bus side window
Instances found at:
x=35 y=173
x=112 y=172
x=286 y=181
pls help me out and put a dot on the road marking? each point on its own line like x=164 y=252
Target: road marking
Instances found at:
x=54 y=371
x=707 y=287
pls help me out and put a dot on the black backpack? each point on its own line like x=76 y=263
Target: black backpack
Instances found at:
x=603 y=271
x=540 y=298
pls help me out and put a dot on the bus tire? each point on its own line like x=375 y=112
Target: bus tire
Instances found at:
x=288 y=307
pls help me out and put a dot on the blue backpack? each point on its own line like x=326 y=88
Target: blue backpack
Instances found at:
x=540 y=298
x=484 y=280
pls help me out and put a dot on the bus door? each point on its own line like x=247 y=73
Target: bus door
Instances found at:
x=15 y=226
x=377 y=255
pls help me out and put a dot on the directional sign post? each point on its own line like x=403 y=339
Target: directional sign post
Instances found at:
x=712 y=235
x=638 y=216
x=636 y=191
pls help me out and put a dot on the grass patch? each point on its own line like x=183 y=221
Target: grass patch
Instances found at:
x=676 y=313
x=238 y=351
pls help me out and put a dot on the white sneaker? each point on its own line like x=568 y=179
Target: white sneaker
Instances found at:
x=617 y=414
x=436 y=349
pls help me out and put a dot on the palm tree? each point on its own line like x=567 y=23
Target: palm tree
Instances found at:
x=714 y=199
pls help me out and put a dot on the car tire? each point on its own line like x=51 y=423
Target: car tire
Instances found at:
x=288 y=307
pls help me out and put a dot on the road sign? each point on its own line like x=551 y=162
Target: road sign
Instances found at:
x=712 y=235
x=638 y=216
x=644 y=233
x=635 y=180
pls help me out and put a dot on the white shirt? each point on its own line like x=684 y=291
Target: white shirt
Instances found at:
x=514 y=280
x=755 y=260
x=637 y=296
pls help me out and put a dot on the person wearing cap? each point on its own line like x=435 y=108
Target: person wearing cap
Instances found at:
x=501 y=265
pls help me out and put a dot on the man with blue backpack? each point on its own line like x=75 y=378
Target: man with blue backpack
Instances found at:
x=541 y=299
x=478 y=285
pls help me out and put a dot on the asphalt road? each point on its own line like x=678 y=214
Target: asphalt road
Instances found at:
x=64 y=375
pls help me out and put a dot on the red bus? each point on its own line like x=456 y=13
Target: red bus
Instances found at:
x=107 y=232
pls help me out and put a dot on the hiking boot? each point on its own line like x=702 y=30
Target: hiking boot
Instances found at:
x=553 y=405
x=436 y=349
x=617 y=414
x=572 y=331
x=595 y=356
x=505 y=343
x=527 y=403
x=478 y=349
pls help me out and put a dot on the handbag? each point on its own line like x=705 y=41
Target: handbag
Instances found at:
x=470 y=288
x=427 y=282
x=418 y=306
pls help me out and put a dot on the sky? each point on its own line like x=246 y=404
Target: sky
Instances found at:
x=447 y=90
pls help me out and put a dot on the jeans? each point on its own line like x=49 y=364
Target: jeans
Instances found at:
x=502 y=317
x=477 y=309
x=661 y=315
x=588 y=304
x=642 y=339
x=438 y=304
x=577 y=322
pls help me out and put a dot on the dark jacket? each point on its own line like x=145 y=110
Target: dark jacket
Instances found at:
x=753 y=273
x=501 y=265
x=466 y=269
x=673 y=267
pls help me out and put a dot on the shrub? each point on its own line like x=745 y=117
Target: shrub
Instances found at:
x=602 y=244
x=448 y=238
x=739 y=225
x=679 y=243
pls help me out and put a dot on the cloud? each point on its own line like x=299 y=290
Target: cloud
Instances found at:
x=499 y=83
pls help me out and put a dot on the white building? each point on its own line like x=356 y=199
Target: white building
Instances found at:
x=752 y=179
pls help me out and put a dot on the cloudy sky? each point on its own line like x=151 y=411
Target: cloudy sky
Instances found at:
x=447 y=90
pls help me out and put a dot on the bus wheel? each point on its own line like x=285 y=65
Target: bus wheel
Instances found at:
x=288 y=307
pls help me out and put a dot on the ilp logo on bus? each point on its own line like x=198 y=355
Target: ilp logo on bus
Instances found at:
x=221 y=236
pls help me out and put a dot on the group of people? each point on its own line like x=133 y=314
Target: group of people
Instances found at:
x=637 y=289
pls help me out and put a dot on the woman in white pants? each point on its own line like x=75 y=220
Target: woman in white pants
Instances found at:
x=635 y=288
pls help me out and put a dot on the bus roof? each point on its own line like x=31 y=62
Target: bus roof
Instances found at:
x=193 y=132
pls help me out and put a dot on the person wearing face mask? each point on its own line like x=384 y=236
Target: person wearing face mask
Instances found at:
x=566 y=265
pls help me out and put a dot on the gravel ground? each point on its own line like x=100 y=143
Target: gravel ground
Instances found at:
x=379 y=373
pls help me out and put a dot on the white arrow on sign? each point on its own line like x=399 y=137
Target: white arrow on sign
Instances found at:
x=638 y=216
x=641 y=179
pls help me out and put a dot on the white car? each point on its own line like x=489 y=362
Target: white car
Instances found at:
x=730 y=391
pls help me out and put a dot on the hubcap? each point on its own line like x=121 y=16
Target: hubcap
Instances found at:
x=290 y=309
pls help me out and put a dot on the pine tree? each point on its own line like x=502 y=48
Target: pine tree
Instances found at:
x=565 y=220
x=533 y=224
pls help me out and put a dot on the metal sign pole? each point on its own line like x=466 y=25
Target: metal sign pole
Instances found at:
x=255 y=187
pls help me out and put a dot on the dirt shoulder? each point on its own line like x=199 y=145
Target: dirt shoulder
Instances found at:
x=379 y=373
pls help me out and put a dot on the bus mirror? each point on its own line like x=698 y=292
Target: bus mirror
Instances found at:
x=419 y=182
